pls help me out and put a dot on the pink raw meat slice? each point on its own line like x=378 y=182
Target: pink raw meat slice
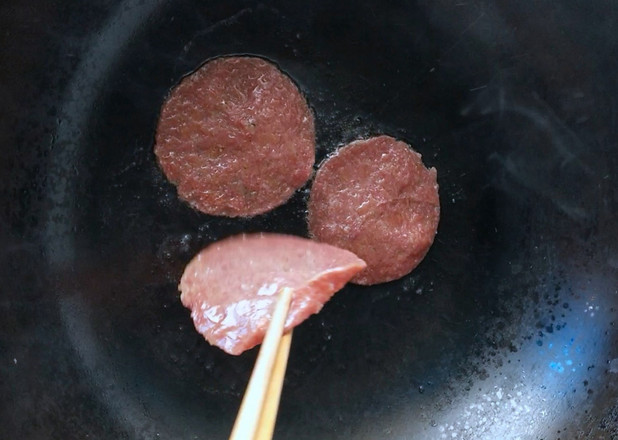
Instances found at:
x=375 y=198
x=232 y=285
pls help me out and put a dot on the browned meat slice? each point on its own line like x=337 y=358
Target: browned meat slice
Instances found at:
x=236 y=137
x=231 y=286
x=376 y=198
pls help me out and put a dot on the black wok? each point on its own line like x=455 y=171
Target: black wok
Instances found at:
x=505 y=331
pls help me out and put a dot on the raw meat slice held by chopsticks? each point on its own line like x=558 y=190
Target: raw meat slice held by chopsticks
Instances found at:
x=232 y=285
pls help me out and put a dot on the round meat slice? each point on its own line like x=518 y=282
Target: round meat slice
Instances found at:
x=376 y=199
x=231 y=286
x=394 y=239
x=236 y=137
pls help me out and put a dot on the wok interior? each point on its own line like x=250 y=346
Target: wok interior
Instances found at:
x=505 y=328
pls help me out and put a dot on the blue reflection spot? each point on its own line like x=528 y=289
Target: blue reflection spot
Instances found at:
x=556 y=366
x=569 y=362
x=551 y=344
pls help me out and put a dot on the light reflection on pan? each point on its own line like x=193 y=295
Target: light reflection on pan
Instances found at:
x=531 y=392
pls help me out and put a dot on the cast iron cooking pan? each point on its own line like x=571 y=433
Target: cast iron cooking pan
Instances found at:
x=505 y=331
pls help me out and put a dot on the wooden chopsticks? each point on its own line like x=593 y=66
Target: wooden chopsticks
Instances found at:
x=258 y=410
x=271 y=403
